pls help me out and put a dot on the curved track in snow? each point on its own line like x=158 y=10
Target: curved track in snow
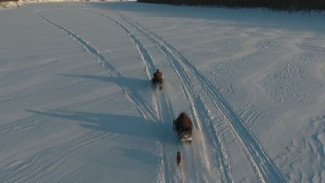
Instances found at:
x=141 y=105
x=164 y=114
x=187 y=74
x=260 y=162
x=165 y=170
x=225 y=172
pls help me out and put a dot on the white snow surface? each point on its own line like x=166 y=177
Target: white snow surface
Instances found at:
x=77 y=104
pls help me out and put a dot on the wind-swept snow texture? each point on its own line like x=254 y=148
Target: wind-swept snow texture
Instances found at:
x=77 y=104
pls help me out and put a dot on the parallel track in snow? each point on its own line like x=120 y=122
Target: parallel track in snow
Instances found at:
x=262 y=165
x=195 y=104
x=143 y=109
x=264 y=168
x=164 y=169
x=141 y=105
x=163 y=109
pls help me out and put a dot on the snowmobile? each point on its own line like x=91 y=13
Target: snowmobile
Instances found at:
x=183 y=126
x=158 y=82
x=157 y=79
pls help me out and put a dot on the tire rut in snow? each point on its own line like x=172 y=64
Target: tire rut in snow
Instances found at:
x=145 y=56
x=132 y=95
x=143 y=109
x=264 y=168
x=187 y=89
x=149 y=64
x=170 y=147
x=164 y=113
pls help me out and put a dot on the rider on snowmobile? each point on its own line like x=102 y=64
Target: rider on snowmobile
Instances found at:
x=157 y=77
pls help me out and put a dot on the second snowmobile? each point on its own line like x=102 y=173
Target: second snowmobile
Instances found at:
x=183 y=125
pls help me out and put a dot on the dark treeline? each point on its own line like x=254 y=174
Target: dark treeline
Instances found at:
x=272 y=4
x=8 y=0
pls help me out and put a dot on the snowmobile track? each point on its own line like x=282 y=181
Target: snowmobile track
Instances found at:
x=179 y=69
x=140 y=104
x=146 y=59
x=260 y=162
x=164 y=109
x=264 y=168
x=145 y=56
x=144 y=108
x=161 y=105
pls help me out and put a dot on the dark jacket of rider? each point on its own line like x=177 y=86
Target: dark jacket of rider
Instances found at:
x=157 y=74
x=183 y=122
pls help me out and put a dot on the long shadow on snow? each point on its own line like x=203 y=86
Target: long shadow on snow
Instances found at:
x=119 y=124
x=137 y=84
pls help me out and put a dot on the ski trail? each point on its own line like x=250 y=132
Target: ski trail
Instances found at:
x=162 y=106
x=138 y=45
x=165 y=170
x=164 y=165
x=166 y=118
x=196 y=104
x=148 y=63
x=133 y=96
x=147 y=60
x=187 y=89
x=145 y=56
x=264 y=168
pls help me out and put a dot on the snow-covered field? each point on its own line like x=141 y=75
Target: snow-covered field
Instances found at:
x=77 y=105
